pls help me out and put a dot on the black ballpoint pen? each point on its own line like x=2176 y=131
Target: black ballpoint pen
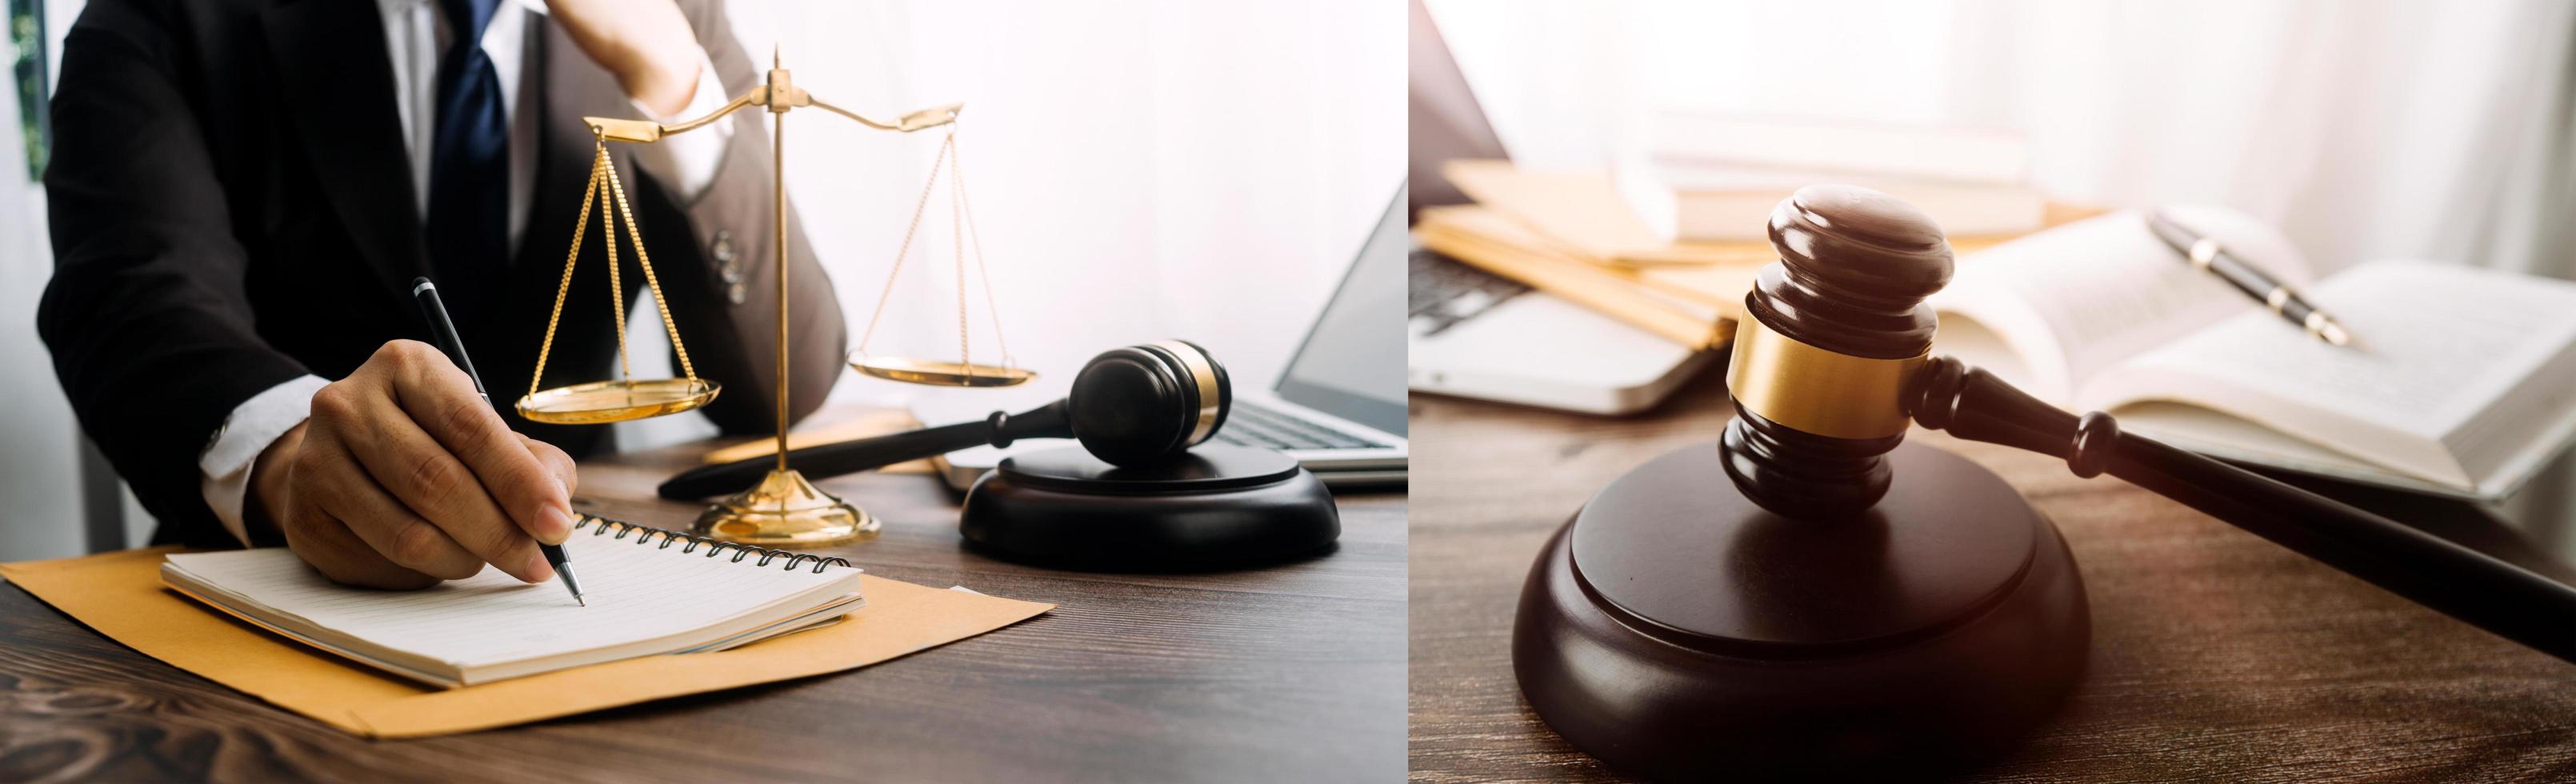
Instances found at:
x=2205 y=254
x=454 y=345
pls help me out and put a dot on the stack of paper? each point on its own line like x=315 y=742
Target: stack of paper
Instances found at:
x=1693 y=305
x=1572 y=234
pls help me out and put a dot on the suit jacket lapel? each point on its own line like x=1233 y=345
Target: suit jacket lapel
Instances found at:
x=331 y=56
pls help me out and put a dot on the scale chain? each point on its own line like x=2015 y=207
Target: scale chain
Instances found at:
x=918 y=210
x=645 y=261
x=957 y=175
x=600 y=163
x=580 y=227
x=963 y=228
x=957 y=228
x=616 y=289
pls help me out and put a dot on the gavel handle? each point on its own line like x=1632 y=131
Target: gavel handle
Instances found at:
x=2489 y=593
x=846 y=457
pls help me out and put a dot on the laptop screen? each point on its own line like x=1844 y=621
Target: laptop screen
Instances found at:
x=1445 y=122
x=1352 y=363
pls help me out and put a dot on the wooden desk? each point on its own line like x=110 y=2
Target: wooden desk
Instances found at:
x=1295 y=672
x=2215 y=654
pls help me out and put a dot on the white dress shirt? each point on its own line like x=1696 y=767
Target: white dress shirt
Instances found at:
x=415 y=35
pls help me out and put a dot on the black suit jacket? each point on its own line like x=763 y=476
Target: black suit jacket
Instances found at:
x=231 y=207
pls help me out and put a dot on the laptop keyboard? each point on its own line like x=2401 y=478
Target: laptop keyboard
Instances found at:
x=1440 y=292
x=1252 y=425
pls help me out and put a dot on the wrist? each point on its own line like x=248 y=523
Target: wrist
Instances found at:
x=662 y=80
x=270 y=480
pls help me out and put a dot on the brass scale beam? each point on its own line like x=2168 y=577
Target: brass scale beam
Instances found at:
x=778 y=96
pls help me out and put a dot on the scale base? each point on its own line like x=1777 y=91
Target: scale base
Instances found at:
x=1214 y=507
x=1678 y=631
x=784 y=509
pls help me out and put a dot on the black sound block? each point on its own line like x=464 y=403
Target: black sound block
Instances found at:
x=1678 y=631
x=1213 y=507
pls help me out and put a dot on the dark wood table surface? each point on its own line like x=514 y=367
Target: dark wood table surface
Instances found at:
x=1291 y=673
x=2216 y=655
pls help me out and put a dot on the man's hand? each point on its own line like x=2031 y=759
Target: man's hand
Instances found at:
x=404 y=477
x=647 y=44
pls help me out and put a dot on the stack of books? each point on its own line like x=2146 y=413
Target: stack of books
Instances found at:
x=1715 y=178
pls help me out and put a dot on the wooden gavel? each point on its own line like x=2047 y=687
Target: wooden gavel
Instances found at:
x=1834 y=362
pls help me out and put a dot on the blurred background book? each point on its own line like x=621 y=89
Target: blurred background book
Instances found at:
x=1716 y=177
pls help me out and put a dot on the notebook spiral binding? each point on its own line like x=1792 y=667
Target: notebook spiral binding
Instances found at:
x=690 y=543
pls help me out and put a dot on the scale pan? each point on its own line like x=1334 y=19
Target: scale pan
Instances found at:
x=939 y=373
x=602 y=402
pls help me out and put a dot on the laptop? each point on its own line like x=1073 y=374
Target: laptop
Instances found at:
x=1474 y=334
x=1338 y=408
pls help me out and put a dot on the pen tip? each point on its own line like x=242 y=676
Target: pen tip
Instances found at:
x=584 y=602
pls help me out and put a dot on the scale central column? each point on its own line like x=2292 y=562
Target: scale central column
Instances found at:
x=783 y=508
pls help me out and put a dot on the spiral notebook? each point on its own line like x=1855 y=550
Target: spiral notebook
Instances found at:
x=650 y=592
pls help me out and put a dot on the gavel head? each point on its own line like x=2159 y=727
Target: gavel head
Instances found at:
x=1834 y=331
x=1141 y=404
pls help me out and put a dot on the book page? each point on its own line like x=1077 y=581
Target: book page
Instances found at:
x=635 y=593
x=2455 y=372
x=2072 y=300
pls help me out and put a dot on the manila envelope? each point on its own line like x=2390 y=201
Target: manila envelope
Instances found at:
x=120 y=595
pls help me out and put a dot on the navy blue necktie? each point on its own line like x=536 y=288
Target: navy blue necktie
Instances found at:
x=469 y=165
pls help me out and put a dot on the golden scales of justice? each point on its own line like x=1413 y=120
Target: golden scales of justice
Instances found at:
x=784 y=508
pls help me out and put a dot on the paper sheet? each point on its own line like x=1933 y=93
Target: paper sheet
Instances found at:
x=120 y=595
x=635 y=593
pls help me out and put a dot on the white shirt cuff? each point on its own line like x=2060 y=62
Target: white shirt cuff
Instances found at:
x=687 y=162
x=224 y=469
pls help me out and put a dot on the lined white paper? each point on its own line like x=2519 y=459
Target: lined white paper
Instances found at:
x=635 y=591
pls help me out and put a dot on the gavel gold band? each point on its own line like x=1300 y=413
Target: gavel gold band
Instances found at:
x=1205 y=376
x=1817 y=391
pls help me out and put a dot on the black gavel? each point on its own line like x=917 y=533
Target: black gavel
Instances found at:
x=1834 y=361
x=1128 y=406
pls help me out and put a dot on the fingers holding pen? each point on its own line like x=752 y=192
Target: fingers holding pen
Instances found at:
x=440 y=399
x=374 y=413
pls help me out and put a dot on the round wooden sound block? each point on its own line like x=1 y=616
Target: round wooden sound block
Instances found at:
x=1214 y=507
x=1676 y=630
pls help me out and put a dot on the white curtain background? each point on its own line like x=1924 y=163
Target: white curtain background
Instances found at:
x=2363 y=129
x=1140 y=169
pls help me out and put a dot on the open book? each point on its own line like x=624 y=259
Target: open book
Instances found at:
x=2461 y=382
x=650 y=592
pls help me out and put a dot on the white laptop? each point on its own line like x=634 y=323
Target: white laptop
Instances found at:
x=1338 y=408
x=1474 y=334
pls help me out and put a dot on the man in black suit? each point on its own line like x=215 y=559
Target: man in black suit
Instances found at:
x=243 y=190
